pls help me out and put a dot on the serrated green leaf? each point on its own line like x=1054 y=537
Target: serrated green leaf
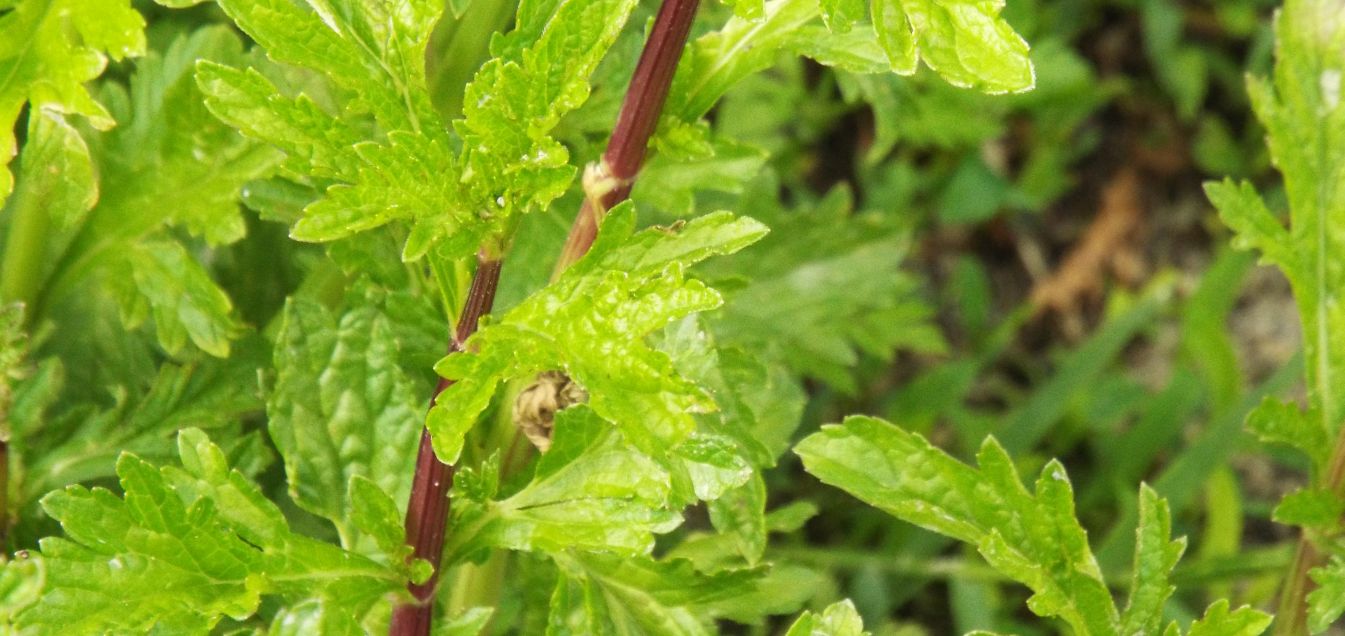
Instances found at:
x=375 y=55
x=741 y=514
x=1219 y=621
x=314 y=142
x=856 y=51
x=183 y=548
x=22 y=580
x=172 y=162
x=373 y=50
x=841 y=15
x=1241 y=208
x=670 y=182
x=713 y=463
x=48 y=50
x=1310 y=508
x=520 y=163
x=1327 y=602
x=1156 y=554
x=341 y=407
x=1276 y=421
x=170 y=165
x=766 y=400
x=183 y=300
x=590 y=490
x=967 y=43
x=838 y=619
x=1033 y=538
x=896 y=35
x=375 y=514
x=591 y=324
x=718 y=60
x=612 y=595
x=1301 y=110
x=759 y=408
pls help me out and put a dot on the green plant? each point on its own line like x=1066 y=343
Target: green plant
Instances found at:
x=341 y=139
x=1301 y=111
x=1034 y=537
x=658 y=244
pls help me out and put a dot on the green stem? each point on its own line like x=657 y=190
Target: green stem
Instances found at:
x=1291 y=619
x=21 y=272
x=25 y=248
x=478 y=585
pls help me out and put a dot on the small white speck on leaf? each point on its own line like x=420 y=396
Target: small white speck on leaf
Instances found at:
x=1330 y=81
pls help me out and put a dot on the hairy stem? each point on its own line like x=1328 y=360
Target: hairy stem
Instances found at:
x=609 y=183
x=428 y=508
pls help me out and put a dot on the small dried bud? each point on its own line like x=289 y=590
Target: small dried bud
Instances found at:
x=536 y=406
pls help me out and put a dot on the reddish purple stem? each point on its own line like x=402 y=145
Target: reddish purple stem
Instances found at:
x=636 y=123
x=427 y=510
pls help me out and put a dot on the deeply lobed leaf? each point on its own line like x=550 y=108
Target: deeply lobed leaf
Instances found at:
x=1032 y=537
x=508 y=163
x=1301 y=110
x=184 y=547
x=591 y=324
x=1305 y=123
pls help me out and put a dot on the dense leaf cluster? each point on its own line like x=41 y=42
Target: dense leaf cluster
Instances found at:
x=232 y=260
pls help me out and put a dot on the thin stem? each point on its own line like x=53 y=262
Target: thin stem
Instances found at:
x=1292 y=617
x=5 y=518
x=25 y=250
x=427 y=511
x=609 y=183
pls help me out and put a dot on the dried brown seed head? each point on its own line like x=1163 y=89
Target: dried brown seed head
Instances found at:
x=536 y=406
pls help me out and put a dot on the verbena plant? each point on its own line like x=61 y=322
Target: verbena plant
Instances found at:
x=604 y=379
